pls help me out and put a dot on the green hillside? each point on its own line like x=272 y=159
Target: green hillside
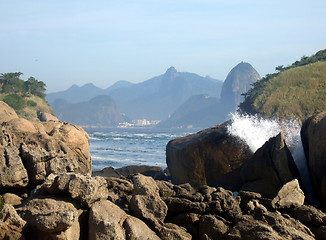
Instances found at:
x=295 y=92
x=26 y=97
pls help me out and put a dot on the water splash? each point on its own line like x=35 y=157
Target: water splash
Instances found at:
x=255 y=131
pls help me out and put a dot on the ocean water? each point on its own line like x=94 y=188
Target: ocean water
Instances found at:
x=119 y=147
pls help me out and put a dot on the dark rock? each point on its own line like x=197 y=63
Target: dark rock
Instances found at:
x=313 y=134
x=178 y=205
x=212 y=227
x=189 y=221
x=210 y=157
x=269 y=168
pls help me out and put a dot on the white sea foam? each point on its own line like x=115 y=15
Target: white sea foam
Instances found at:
x=255 y=131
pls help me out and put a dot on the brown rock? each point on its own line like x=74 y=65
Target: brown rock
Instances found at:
x=83 y=189
x=146 y=202
x=210 y=157
x=269 y=168
x=212 y=227
x=6 y=112
x=313 y=134
x=12 y=173
x=138 y=230
x=106 y=221
x=48 y=214
x=290 y=195
x=46 y=117
x=12 y=199
x=170 y=231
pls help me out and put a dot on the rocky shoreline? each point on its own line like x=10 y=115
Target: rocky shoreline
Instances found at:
x=49 y=192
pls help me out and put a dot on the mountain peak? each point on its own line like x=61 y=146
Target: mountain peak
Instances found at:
x=170 y=74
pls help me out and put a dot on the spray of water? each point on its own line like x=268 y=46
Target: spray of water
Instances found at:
x=255 y=131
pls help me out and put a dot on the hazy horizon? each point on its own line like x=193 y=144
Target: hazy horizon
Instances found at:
x=101 y=42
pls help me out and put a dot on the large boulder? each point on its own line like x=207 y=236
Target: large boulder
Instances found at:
x=30 y=151
x=47 y=217
x=269 y=169
x=106 y=221
x=6 y=112
x=313 y=135
x=210 y=157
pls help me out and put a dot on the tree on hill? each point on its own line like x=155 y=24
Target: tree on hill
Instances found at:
x=12 y=84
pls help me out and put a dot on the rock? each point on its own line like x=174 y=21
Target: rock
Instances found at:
x=210 y=157
x=9 y=216
x=138 y=230
x=83 y=189
x=106 y=221
x=46 y=117
x=12 y=173
x=309 y=215
x=30 y=151
x=10 y=232
x=313 y=218
x=6 y=112
x=146 y=203
x=289 y=196
x=49 y=215
x=180 y=205
x=170 y=231
x=269 y=168
x=189 y=221
x=120 y=192
x=212 y=227
x=313 y=134
x=12 y=199
x=153 y=172
x=106 y=172
x=144 y=185
x=165 y=189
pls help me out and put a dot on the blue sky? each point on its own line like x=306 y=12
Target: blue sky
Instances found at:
x=75 y=42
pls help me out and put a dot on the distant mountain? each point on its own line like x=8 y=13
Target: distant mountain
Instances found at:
x=118 y=84
x=159 y=97
x=238 y=81
x=294 y=92
x=202 y=111
x=76 y=94
x=154 y=99
x=192 y=113
x=100 y=111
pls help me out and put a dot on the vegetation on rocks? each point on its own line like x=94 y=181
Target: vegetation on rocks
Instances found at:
x=296 y=91
x=27 y=98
